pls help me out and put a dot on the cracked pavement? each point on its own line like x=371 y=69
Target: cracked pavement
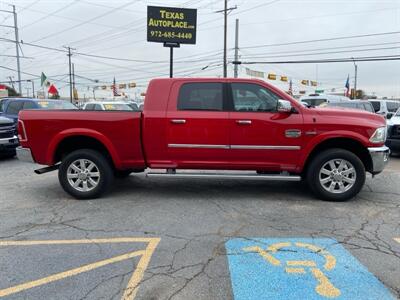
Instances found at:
x=193 y=218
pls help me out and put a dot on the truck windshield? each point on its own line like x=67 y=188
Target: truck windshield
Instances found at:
x=59 y=104
x=314 y=102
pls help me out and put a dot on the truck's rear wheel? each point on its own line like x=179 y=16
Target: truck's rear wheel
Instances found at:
x=85 y=174
x=336 y=175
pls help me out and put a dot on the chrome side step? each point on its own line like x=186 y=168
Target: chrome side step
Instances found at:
x=248 y=176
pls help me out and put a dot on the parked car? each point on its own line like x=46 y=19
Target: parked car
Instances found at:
x=208 y=123
x=355 y=104
x=386 y=108
x=12 y=106
x=393 y=132
x=314 y=100
x=8 y=137
x=107 y=106
x=133 y=105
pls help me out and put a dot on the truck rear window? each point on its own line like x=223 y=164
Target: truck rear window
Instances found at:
x=200 y=96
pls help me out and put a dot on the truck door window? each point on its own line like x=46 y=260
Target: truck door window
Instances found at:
x=14 y=107
x=253 y=97
x=201 y=96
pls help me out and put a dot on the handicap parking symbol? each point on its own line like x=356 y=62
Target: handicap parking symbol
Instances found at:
x=299 y=268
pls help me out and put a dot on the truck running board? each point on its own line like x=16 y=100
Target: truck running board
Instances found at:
x=47 y=169
x=250 y=176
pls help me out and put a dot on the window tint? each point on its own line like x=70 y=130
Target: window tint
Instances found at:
x=29 y=105
x=56 y=104
x=253 y=97
x=201 y=96
x=89 y=107
x=97 y=107
x=376 y=105
x=2 y=105
x=14 y=107
x=314 y=102
x=392 y=106
x=368 y=107
x=345 y=104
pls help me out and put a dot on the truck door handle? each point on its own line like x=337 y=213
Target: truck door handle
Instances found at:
x=178 y=121
x=243 y=122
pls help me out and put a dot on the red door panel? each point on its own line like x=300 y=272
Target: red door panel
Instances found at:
x=197 y=126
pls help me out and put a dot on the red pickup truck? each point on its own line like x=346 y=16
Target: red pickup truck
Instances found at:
x=208 y=124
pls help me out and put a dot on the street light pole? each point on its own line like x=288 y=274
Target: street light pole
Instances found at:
x=17 y=50
x=33 y=87
x=236 y=67
x=225 y=36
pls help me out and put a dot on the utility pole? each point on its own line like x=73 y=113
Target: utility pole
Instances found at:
x=73 y=80
x=235 y=72
x=70 y=71
x=355 y=79
x=225 y=11
x=17 y=50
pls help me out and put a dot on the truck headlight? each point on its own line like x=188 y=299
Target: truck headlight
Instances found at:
x=379 y=136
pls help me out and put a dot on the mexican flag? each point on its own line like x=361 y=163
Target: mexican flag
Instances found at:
x=43 y=79
x=53 y=90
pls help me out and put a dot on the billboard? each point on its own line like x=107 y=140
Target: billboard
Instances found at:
x=171 y=25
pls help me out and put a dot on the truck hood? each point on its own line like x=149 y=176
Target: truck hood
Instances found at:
x=4 y=120
x=341 y=112
x=394 y=121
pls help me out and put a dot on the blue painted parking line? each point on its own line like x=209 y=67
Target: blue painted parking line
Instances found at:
x=299 y=268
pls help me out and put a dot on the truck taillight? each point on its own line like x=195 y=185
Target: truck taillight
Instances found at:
x=21 y=131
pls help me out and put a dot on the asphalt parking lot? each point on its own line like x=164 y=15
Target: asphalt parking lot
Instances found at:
x=196 y=239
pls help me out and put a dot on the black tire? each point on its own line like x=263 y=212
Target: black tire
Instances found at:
x=104 y=169
x=319 y=161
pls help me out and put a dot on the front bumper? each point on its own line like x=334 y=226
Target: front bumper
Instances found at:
x=393 y=144
x=8 y=144
x=379 y=158
x=25 y=154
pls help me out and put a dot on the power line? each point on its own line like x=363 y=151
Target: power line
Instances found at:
x=323 y=53
x=85 y=22
x=329 y=60
x=319 y=49
x=323 y=40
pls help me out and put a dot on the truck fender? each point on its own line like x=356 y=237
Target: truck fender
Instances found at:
x=57 y=139
x=323 y=137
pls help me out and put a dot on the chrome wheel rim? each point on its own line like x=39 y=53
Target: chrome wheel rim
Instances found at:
x=83 y=175
x=337 y=176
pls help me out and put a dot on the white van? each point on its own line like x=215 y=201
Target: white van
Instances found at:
x=386 y=108
x=314 y=100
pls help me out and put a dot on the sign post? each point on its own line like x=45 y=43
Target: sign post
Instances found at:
x=171 y=26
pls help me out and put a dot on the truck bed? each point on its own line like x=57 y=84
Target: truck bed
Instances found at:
x=119 y=132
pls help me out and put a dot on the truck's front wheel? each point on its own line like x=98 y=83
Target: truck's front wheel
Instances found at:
x=85 y=174
x=336 y=175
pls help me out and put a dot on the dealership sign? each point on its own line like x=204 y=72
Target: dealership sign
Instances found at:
x=171 y=25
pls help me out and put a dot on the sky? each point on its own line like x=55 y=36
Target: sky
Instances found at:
x=279 y=30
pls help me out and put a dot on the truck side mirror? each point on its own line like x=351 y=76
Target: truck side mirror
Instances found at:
x=284 y=106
